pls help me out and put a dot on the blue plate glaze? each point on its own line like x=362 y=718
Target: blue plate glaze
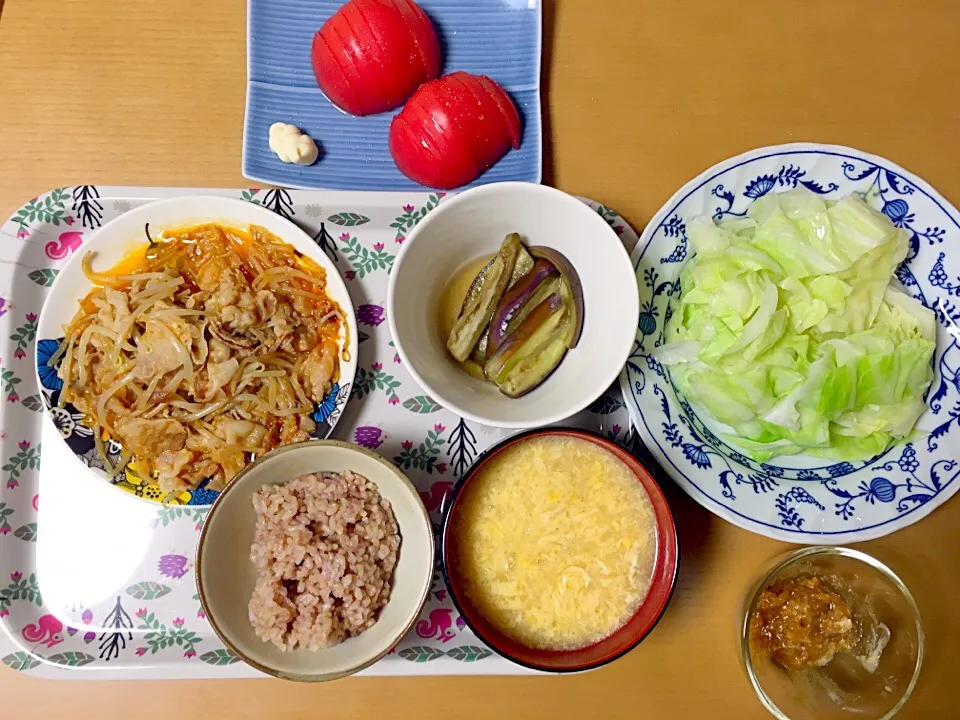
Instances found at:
x=800 y=498
x=498 y=38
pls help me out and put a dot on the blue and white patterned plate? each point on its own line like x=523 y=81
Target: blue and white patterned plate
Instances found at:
x=799 y=498
x=497 y=38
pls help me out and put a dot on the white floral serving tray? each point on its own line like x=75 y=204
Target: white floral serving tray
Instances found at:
x=101 y=581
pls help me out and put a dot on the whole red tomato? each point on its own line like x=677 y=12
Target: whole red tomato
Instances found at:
x=371 y=54
x=454 y=129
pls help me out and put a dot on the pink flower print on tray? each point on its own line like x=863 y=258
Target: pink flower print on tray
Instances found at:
x=5 y=512
x=10 y=382
x=408 y=219
x=20 y=589
x=439 y=626
x=200 y=613
x=26 y=333
x=27 y=458
x=424 y=456
x=64 y=246
x=47 y=631
x=363 y=260
x=433 y=499
x=613 y=220
x=161 y=637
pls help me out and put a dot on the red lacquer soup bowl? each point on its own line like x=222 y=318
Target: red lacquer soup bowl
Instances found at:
x=664 y=573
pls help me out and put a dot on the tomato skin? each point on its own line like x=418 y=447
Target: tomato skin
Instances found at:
x=370 y=55
x=454 y=129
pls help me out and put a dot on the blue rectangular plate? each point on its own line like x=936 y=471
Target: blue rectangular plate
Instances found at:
x=497 y=38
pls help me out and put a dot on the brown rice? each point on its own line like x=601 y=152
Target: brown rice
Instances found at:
x=325 y=548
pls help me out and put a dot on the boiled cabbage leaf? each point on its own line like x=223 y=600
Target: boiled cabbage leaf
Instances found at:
x=789 y=332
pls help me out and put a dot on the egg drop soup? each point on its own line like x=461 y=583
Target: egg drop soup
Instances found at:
x=554 y=542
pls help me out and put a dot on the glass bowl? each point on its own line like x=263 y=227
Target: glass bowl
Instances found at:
x=845 y=687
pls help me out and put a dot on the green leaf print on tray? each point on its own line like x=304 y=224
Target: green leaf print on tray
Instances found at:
x=48 y=209
x=469 y=653
x=348 y=219
x=421 y=654
x=411 y=215
x=175 y=512
x=147 y=590
x=365 y=261
x=27 y=533
x=43 y=276
x=20 y=588
x=71 y=658
x=162 y=637
x=27 y=458
x=251 y=195
x=463 y=653
x=422 y=404
x=24 y=335
x=10 y=382
x=613 y=220
x=366 y=381
x=424 y=456
x=33 y=402
x=219 y=658
x=5 y=512
x=20 y=661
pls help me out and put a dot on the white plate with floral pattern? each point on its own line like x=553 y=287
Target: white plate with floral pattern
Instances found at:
x=799 y=498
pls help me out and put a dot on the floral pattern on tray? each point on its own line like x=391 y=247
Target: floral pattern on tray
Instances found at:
x=788 y=498
x=104 y=581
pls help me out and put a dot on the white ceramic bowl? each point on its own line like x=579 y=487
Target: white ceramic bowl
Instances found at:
x=474 y=224
x=118 y=238
x=226 y=577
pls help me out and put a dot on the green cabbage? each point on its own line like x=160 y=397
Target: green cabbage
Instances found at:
x=789 y=333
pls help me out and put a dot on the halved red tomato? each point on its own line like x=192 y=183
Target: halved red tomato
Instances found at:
x=454 y=129
x=370 y=55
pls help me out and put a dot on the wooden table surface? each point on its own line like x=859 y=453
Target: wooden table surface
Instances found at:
x=640 y=96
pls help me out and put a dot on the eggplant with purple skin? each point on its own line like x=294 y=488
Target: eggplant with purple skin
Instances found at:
x=514 y=299
x=521 y=314
x=543 y=291
x=475 y=317
x=521 y=267
x=534 y=369
x=530 y=337
x=573 y=297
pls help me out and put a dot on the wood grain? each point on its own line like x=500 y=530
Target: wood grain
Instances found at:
x=641 y=95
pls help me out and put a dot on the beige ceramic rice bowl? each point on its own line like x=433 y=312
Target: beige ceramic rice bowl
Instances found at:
x=226 y=576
